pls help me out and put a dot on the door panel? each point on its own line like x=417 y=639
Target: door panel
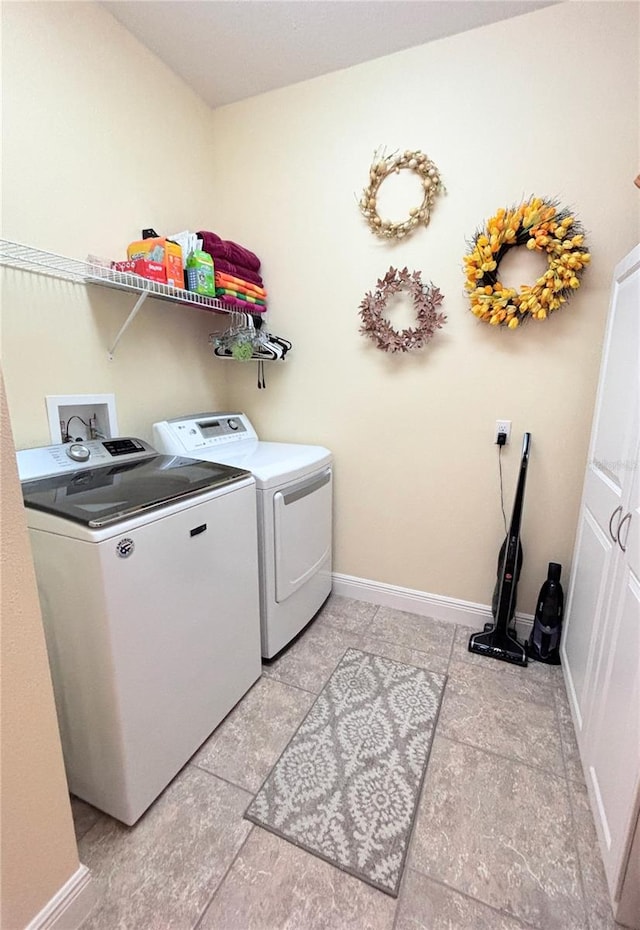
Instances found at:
x=614 y=735
x=587 y=598
x=302 y=524
x=613 y=425
x=614 y=757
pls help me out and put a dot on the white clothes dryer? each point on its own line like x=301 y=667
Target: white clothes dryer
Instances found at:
x=147 y=570
x=294 y=486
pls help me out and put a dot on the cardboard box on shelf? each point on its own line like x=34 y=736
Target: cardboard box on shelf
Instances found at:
x=163 y=252
x=154 y=271
x=200 y=274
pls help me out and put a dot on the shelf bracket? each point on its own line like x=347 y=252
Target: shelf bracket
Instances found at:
x=138 y=304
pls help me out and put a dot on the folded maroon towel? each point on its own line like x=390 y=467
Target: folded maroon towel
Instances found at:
x=228 y=250
x=238 y=271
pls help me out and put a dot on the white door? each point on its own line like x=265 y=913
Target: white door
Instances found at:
x=606 y=486
x=613 y=743
x=601 y=641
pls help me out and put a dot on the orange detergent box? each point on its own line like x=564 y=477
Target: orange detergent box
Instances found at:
x=163 y=252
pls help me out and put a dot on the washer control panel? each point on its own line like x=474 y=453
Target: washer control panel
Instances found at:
x=67 y=457
x=79 y=452
x=203 y=431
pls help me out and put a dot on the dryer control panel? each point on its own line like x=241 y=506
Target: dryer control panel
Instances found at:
x=203 y=431
x=45 y=461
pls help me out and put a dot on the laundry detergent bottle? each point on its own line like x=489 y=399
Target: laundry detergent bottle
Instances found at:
x=544 y=645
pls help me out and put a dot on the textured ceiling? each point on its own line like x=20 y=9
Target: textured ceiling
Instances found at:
x=227 y=50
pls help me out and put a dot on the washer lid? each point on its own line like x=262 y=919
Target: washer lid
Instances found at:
x=108 y=494
x=272 y=463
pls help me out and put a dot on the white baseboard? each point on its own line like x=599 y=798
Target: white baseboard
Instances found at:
x=448 y=609
x=69 y=906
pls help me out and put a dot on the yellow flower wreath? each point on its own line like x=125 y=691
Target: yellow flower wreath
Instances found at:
x=539 y=225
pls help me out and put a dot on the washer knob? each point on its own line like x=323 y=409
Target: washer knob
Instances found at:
x=233 y=423
x=78 y=452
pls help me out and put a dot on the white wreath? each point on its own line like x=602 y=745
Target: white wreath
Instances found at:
x=382 y=167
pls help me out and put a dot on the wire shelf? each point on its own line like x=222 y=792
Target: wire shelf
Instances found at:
x=15 y=255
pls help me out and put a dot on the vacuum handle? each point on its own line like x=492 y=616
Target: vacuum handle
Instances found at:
x=516 y=516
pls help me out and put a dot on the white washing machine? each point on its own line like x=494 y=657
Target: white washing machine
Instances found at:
x=294 y=489
x=147 y=570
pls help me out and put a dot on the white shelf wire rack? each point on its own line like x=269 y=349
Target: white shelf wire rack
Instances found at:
x=27 y=258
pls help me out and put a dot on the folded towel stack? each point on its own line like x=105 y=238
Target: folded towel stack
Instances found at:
x=250 y=298
x=240 y=270
x=236 y=287
x=238 y=281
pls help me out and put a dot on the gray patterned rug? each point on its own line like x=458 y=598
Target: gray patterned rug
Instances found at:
x=346 y=787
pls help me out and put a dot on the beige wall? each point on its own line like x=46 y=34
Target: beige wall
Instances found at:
x=38 y=844
x=99 y=141
x=544 y=104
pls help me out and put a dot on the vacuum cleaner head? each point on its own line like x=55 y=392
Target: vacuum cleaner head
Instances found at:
x=498 y=642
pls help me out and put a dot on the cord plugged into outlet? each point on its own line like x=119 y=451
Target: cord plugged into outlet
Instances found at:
x=502 y=432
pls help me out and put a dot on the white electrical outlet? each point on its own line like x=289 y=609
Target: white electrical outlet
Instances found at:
x=502 y=426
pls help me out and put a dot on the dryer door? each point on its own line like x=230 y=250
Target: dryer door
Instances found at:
x=302 y=517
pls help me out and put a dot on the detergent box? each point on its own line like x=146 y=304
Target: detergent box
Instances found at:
x=153 y=271
x=200 y=276
x=163 y=252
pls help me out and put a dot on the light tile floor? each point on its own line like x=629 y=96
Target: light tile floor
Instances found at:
x=504 y=839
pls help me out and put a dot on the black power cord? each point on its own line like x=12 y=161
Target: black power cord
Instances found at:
x=500 y=441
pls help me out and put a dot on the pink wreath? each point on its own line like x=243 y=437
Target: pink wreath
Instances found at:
x=426 y=298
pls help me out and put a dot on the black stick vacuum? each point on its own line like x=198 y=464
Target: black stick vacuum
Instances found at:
x=496 y=641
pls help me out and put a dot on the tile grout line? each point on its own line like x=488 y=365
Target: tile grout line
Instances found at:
x=91 y=826
x=292 y=685
x=500 y=755
x=396 y=910
x=227 y=781
x=453 y=642
x=496 y=910
x=223 y=879
x=412 y=836
x=499 y=671
x=371 y=619
x=392 y=642
x=568 y=782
